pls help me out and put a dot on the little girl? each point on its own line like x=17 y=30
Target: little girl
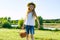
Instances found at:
x=29 y=21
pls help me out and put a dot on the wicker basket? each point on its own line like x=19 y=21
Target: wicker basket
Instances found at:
x=22 y=34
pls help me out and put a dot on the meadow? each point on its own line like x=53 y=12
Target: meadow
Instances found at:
x=13 y=34
x=53 y=25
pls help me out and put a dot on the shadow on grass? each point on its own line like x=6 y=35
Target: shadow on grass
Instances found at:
x=45 y=39
x=1 y=39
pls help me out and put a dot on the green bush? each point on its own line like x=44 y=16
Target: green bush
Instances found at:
x=6 y=25
x=56 y=29
x=41 y=22
x=41 y=27
x=36 y=24
x=20 y=23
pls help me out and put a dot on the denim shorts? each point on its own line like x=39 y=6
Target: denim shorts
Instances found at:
x=29 y=29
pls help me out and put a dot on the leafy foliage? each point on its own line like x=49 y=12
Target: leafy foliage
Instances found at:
x=41 y=22
x=20 y=23
x=6 y=25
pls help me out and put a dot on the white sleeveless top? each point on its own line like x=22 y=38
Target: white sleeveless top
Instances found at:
x=30 y=20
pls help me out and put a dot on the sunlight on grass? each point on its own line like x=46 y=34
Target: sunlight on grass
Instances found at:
x=13 y=34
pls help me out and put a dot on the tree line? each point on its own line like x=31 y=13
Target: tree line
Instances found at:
x=51 y=20
x=6 y=22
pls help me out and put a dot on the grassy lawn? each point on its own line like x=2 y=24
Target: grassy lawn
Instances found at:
x=13 y=34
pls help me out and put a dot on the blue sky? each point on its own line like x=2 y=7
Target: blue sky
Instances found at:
x=16 y=9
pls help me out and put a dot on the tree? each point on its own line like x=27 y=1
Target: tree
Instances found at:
x=9 y=19
x=20 y=23
x=36 y=23
x=6 y=25
x=41 y=22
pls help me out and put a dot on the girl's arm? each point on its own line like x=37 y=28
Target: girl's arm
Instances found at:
x=37 y=20
x=24 y=21
x=23 y=24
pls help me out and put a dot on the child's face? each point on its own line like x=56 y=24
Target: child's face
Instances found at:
x=31 y=7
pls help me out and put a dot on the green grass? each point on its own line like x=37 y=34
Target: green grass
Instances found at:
x=13 y=34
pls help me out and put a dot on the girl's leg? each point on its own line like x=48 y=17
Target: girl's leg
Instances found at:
x=32 y=32
x=27 y=37
x=27 y=32
x=32 y=37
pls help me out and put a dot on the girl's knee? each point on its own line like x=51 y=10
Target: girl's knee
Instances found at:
x=32 y=36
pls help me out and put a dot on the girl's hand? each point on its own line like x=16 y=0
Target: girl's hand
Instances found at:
x=23 y=27
x=38 y=26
